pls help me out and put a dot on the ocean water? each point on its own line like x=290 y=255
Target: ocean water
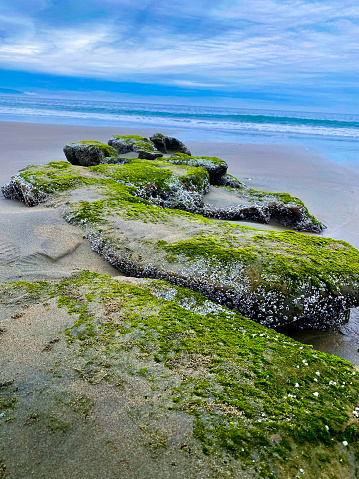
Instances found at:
x=334 y=135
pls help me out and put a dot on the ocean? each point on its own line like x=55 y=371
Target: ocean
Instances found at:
x=334 y=135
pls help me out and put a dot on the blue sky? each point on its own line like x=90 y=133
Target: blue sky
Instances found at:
x=261 y=53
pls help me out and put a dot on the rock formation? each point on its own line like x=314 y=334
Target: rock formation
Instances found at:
x=168 y=144
x=128 y=143
x=276 y=278
x=138 y=378
x=88 y=153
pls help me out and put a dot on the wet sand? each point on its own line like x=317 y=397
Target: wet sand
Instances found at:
x=30 y=237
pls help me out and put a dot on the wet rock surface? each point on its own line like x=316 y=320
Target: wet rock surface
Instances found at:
x=136 y=378
x=276 y=278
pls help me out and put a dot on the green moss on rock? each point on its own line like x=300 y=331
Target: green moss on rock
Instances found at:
x=216 y=167
x=88 y=153
x=126 y=143
x=258 y=400
x=274 y=277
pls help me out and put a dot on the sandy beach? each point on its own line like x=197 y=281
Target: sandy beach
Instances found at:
x=37 y=243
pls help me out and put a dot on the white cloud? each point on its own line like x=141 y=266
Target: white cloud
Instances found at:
x=266 y=41
x=195 y=84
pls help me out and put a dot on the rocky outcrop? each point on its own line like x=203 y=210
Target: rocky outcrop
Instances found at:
x=88 y=153
x=168 y=144
x=128 y=143
x=139 y=378
x=276 y=278
x=215 y=167
x=243 y=203
x=20 y=189
x=231 y=181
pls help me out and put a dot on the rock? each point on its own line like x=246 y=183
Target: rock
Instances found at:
x=231 y=181
x=276 y=278
x=242 y=203
x=162 y=184
x=139 y=378
x=20 y=189
x=127 y=143
x=216 y=167
x=148 y=155
x=88 y=153
x=168 y=144
x=115 y=161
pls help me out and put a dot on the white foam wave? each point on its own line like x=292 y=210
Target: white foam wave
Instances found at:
x=210 y=124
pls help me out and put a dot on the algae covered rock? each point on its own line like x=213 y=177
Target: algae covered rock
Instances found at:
x=159 y=183
x=216 y=167
x=168 y=144
x=276 y=278
x=143 y=146
x=243 y=203
x=20 y=189
x=139 y=378
x=231 y=181
x=88 y=153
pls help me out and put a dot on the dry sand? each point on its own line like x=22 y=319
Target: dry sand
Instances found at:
x=37 y=243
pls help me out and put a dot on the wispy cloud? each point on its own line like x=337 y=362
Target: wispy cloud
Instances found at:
x=228 y=45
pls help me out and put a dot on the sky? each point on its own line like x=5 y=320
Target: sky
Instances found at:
x=260 y=53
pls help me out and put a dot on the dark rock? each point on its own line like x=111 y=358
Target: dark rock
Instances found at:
x=19 y=189
x=168 y=144
x=88 y=153
x=231 y=181
x=215 y=167
x=149 y=155
x=143 y=146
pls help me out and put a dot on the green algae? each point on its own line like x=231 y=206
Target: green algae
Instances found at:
x=130 y=137
x=52 y=177
x=137 y=173
x=107 y=150
x=215 y=167
x=251 y=270
x=263 y=399
x=284 y=259
x=137 y=142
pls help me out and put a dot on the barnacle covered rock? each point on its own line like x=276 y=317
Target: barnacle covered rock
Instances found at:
x=137 y=378
x=276 y=278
